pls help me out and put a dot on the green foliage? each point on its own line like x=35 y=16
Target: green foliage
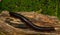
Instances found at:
x=20 y=5
x=50 y=7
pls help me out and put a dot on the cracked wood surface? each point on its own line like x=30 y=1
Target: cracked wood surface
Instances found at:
x=37 y=19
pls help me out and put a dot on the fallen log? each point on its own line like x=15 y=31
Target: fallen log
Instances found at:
x=37 y=19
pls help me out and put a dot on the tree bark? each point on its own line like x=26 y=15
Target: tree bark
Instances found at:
x=10 y=30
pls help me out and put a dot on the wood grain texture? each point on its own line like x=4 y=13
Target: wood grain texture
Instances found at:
x=37 y=19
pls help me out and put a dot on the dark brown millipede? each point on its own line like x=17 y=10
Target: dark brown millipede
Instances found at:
x=28 y=22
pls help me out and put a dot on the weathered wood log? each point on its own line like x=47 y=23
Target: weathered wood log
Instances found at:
x=37 y=19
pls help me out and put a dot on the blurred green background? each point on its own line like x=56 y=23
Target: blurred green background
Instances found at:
x=47 y=7
x=50 y=7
